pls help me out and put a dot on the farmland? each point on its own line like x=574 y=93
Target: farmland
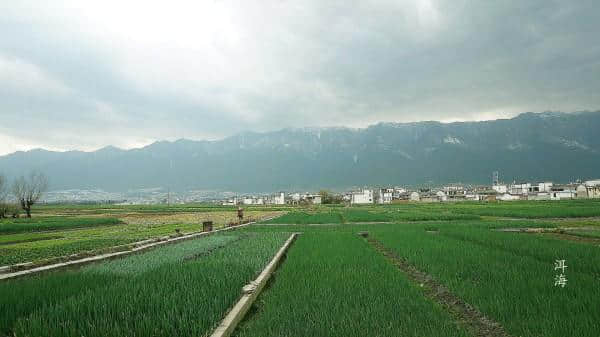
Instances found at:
x=12 y=226
x=55 y=231
x=345 y=294
x=497 y=259
x=177 y=290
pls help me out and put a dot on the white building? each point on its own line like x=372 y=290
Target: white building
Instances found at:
x=561 y=192
x=474 y=197
x=414 y=196
x=386 y=195
x=441 y=195
x=248 y=201
x=230 y=202
x=539 y=196
x=562 y=195
x=454 y=192
x=279 y=199
x=545 y=186
x=314 y=199
x=589 y=189
x=362 y=197
x=519 y=189
x=399 y=194
x=500 y=188
x=507 y=197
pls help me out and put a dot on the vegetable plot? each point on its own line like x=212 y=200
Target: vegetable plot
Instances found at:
x=334 y=284
x=178 y=290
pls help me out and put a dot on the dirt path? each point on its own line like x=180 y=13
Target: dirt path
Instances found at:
x=474 y=321
x=574 y=237
x=558 y=233
x=329 y=224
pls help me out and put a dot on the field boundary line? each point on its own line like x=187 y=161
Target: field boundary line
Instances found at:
x=328 y=224
x=468 y=316
x=136 y=249
x=26 y=266
x=250 y=292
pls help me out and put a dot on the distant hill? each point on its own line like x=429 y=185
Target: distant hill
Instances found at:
x=531 y=146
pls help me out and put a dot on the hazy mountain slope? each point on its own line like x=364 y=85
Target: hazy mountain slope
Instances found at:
x=553 y=146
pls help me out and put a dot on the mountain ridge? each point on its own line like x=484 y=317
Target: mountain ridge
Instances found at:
x=548 y=145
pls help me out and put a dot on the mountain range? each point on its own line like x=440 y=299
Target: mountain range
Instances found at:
x=530 y=147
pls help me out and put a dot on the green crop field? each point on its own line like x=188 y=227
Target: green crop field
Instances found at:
x=497 y=257
x=12 y=226
x=176 y=290
x=508 y=276
x=51 y=236
x=115 y=210
x=325 y=217
x=333 y=284
x=329 y=215
x=533 y=209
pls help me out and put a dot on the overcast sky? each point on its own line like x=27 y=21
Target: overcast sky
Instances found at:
x=83 y=75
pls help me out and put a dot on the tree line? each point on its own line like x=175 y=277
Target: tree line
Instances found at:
x=24 y=192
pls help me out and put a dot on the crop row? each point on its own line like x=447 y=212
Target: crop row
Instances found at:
x=323 y=217
x=177 y=290
x=334 y=284
x=13 y=226
x=532 y=209
x=53 y=247
x=124 y=209
x=508 y=276
x=35 y=246
x=336 y=216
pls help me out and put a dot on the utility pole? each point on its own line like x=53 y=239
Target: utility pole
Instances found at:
x=170 y=182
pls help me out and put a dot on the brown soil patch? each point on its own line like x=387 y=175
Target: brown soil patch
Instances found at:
x=468 y=316
x=218 y=218
x=558 y=233
x=574 y=237
x=524 y=229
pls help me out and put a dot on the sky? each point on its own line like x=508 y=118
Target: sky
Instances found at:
x=87 y=74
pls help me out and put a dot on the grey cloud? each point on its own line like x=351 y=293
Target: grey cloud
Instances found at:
x=310 y=63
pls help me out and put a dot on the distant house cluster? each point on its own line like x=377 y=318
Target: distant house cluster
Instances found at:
x=502 y=192
x=456 y=192
x=548 y=191
x=275 y=199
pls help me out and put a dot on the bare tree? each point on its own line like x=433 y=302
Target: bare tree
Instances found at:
x=29 y=191
x=4 y=207
x=2 y=188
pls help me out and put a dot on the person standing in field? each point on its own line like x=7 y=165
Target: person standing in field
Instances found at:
x=240 y=214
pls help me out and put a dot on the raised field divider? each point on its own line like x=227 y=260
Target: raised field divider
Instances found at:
x=250 y=292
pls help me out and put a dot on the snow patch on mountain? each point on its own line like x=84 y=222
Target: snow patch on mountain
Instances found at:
x=574 y=144
x=452 y=140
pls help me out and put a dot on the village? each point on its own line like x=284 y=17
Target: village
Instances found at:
x=498 y=191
